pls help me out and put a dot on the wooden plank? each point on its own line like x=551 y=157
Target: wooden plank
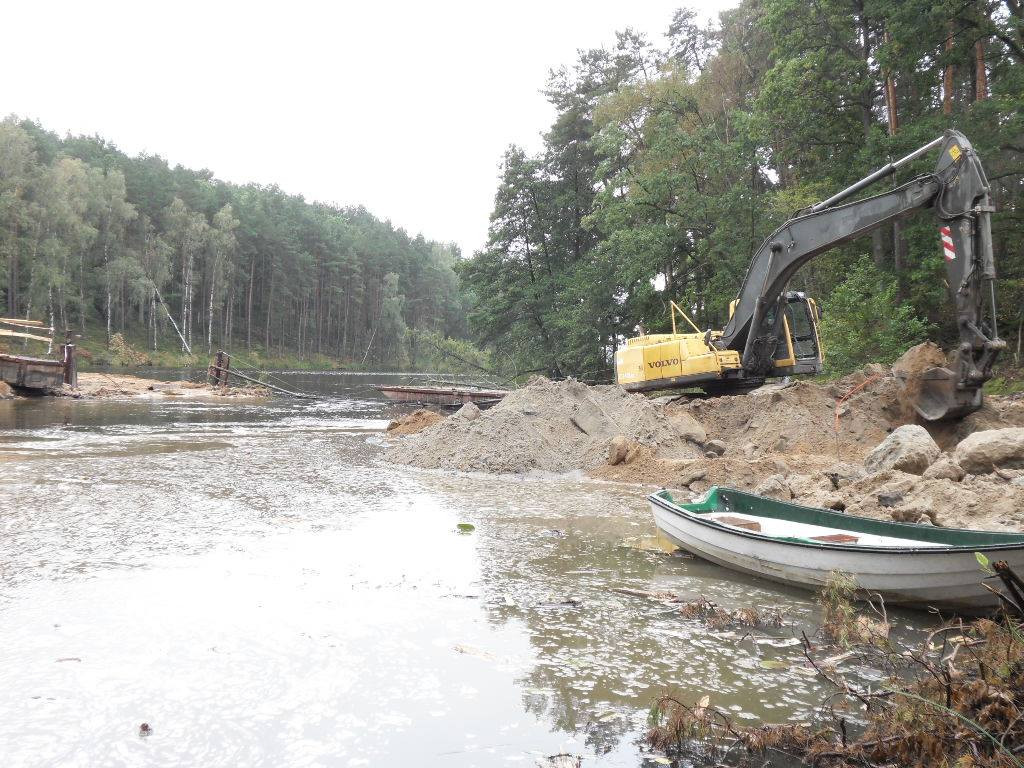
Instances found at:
x=19 y=321
x=739 y=522
x=23 y=335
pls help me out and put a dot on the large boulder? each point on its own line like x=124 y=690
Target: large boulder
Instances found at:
x=6 y=393
x=618 y=449
x=469 y=412
x=945 y=469
x=981 y=452
x=908 y=448
x=776 y=487
x=687 y=426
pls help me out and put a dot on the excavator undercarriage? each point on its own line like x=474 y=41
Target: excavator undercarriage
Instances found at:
x=774 y=332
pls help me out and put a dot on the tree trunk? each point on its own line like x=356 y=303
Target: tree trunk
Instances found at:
x=947 y=77
x=209 y=314
x=867 y=117
x=980 y=78
x=899 y=244
x=270 y=308
x=248 y=307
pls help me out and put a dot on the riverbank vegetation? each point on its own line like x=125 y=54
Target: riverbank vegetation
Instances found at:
x=171 y=258
x=953 y=700
x=666 y=167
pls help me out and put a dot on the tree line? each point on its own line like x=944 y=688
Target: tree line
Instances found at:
x=666 y=166
x=98 y=242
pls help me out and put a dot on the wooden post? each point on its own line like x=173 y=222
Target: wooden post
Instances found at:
x=216 y=367
x=226 y=367
x=70 y=363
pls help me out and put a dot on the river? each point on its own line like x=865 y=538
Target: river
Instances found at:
x=257 y=585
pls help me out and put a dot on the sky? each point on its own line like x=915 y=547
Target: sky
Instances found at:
x=403 y=107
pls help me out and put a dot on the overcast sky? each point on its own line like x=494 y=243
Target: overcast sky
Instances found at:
x=404 y=107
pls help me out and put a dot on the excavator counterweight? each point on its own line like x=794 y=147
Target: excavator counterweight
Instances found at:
x=774 y=332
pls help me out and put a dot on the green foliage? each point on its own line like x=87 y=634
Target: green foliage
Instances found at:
x=123 y=353
x=429 y=350
x=91 y=238
x=665 y=169
x=866 y=321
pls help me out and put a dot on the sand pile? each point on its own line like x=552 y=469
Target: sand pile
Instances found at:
x=801 y=418
x=411 y=423
x=849 y=445
x=552 y=426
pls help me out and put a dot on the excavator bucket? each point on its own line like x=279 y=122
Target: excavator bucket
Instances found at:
x=935 y=395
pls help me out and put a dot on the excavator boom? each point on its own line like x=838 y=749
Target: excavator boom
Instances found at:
x=958 y=191
x=774 y=332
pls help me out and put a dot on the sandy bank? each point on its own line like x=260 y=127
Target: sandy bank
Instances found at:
x=816 y=444
x=118 y=385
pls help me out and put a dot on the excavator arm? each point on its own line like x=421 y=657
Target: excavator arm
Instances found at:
x=958 y=193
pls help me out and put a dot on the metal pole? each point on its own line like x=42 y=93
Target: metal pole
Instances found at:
x=871 y=178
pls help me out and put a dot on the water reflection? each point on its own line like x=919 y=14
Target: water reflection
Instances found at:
x=255 y=583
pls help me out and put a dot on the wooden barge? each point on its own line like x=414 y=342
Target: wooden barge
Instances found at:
x=442 y=395
x=31 y=372
x=36 y=373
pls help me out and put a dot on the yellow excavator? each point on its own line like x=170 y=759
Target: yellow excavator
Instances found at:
x=774 y=332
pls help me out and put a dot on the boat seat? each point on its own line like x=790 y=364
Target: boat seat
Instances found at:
x=837 y=538
x=739 y=522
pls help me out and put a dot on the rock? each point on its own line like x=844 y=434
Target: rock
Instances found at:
x=889 y=499
x=687 y=426
x=909 y=449
x=1019 y=482
x=691 y=475
x=618 y=449
x=776 y=487
x=698 y=487
x=918 y=359
x=716 y=447
x=980 y=452
x=906 y=515
x=945 y=469
x=469 y=412
x=6 y=393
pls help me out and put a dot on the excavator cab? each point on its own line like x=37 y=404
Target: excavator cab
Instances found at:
x=799 y=344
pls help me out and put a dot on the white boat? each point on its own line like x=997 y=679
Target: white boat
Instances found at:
x=908 y=564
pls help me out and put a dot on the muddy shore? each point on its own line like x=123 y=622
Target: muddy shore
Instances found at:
x=98 y=386
x=852 y=445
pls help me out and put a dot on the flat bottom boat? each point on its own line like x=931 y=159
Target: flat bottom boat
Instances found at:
x=907 y=564
x=442 y=395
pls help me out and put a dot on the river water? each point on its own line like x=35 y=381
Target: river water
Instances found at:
x=255 y=583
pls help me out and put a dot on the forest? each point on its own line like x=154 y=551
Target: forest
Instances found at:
x=100 y=243
x=667 y=166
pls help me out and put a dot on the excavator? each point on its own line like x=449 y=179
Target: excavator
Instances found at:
x=773 y=332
